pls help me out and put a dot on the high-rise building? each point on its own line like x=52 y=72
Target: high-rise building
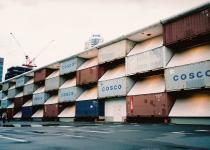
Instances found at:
x=94 y=40
x=1 y=68
x=15 y=70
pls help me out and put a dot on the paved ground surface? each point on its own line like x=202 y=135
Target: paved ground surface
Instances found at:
x=96 y=136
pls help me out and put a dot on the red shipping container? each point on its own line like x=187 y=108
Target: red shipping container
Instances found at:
x=89 y=75
x=10 y=113
x=188 y=31
x=52 y=110
x=40 y=75
x=18 y=102
x=157 y=105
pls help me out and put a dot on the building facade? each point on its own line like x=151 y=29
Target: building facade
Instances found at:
x=1 y=68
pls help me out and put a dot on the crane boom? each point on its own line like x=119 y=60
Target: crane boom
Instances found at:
x=18 y=43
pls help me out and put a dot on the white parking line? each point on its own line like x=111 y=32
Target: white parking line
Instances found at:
x=202 y=130
x=91 y=131
x=13 y=139
x=36 y=125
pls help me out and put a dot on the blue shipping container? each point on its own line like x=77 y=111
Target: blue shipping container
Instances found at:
x=27 y=112
x=90 y=108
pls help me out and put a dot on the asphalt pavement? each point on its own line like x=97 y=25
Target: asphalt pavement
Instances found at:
x=102 y=136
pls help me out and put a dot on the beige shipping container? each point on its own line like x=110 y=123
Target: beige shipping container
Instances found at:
x=147 y=56
x=115 y=109
x=114 y=51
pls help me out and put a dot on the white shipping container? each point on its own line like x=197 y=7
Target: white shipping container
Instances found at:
x=21 y=81
x=115 y=51
x=195 y=105
x=115 y=109
x=70 y=65
x=147 y=61
x=114 y=83
x=115 y=87
x=191 y=76
x=5 y=86
x=1 y=95
x=12 y=92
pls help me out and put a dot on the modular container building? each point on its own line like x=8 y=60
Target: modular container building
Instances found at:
x=29 y=87
x=87 y=105
x=39 y=96
x=21 y=81
x=147 y=56
x=189 y=69
x=51 y=107
x=188 y=29
x=41 y=74
x=68 y=113
x=18 y=115
x=70 y=65
x=191 y=108
x=89 y=72
x=69 y=92
x=53 y=81
x=114 y=83
x=27 y=109
x=114 y=51
x=148 y=98
x=115 y=109
x=1 y=95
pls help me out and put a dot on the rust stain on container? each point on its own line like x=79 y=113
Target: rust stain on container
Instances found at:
x=52 y=110
x=188 y=31
x=89 y=75
x=40 y=75
x=157 y=105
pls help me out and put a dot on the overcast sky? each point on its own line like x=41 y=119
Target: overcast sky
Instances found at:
x=71 y=22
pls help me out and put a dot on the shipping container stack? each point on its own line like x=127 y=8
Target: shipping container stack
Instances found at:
x=113 y=86
x=88 y=106
x=158 y=73
x=69 y=91
x=188 y=72
x=148 y=100
x=40 y=96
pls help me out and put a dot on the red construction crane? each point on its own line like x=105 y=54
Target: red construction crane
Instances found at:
x=30 y=63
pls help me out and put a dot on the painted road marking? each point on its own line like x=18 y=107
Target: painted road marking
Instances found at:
x=36 y=125
x=91 y=131
x=13 y=139
x=202 y=130
x=181 y=132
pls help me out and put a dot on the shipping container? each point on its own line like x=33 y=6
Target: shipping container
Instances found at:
x=5 y=86
x=89 y=94
x=69 y=92
x=53 y=81
x=41 y=74
x=192 y=76
x=10 y=113
x=21 y=81
x=39 y=96
x=19 y=100
x=188 y=30
x=52 y=110
x=39 y=113
x=29 y=87
x=68 y=112
x=1 y=95
x=89 y=72
x=89 y=108
x=115 y=109
x=70 y=65
x=12 y=91
x=148 y=98
x=114 y=83
x=5 y=102
x=27 y=112
x=147 y=56
x=114 y=51
x=191 y=105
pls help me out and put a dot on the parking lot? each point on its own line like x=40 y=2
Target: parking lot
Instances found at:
x=95 y=136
